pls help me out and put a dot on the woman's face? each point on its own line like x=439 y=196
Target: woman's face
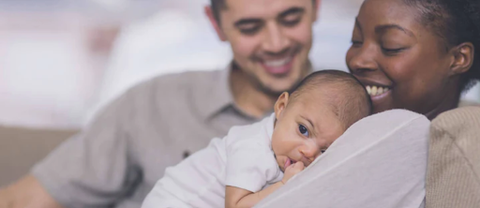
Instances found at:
x=399 y=60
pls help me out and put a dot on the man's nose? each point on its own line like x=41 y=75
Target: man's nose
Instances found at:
x=275 y=41
x=363 y=60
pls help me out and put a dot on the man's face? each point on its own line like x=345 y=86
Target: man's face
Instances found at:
x=270 y=40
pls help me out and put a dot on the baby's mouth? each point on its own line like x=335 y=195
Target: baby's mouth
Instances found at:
x=289 y=162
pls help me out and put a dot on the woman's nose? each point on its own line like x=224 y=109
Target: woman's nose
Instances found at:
x=362 y=60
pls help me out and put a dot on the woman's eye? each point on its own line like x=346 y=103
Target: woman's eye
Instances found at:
x=303 y=130
x=392 y=51
x=356 y=43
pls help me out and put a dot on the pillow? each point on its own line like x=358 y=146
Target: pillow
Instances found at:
x=379 y=161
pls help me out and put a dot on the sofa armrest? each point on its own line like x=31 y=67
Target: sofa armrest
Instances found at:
x=21 y=148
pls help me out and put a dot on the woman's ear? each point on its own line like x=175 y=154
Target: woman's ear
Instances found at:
x=463 y=55
x=216 y=24
x=281 y=104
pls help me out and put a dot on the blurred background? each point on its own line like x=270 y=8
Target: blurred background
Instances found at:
x=61 y=60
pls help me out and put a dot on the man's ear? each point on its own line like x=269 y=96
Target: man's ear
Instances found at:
x=216 y=25
x=281 y=104
x=317 y=9
x=463 y=56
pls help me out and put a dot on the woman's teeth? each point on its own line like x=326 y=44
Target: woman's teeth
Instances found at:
x=375 y=90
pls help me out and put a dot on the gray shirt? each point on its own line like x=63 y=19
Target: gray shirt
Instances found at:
x=117 y=159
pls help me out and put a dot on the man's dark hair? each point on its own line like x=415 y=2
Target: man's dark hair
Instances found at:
x=456 y=22
x=218 y=5
x=346 y=95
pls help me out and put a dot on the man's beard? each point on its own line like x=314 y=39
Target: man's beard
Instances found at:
x=265 y=89
x=261 y=87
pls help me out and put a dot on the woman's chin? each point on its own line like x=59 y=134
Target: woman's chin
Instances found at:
x=382 y=102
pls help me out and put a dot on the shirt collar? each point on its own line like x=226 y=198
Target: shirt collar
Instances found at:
x=217 y=95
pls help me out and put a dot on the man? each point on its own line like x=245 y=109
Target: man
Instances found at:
x=125 y=150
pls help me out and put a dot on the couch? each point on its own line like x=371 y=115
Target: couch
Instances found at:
x=21 y=148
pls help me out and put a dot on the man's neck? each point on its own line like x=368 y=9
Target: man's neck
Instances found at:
x=248 y=98
x=251 y=100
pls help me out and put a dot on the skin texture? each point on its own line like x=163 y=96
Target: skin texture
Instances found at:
x=303 y=130
x=259 y=32
x=391 y=48
x=27 y=192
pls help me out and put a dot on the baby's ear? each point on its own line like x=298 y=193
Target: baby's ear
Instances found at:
x=281 y=104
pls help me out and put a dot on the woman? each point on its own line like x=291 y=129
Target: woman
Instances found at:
x=416 y=54
x=412 y=54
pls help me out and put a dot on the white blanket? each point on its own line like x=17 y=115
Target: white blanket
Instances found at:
x=380 y=162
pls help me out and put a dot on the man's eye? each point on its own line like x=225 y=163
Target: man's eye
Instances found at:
x=251 y=30
x=291 y=22
x=303 y=130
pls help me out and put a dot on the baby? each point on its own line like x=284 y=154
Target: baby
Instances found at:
x=253 y=161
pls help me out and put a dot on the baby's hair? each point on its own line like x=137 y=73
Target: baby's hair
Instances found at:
x=347 y=97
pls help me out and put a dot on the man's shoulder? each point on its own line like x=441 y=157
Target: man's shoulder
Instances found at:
x=177 y=84
x=188 y=78
x=459 y=122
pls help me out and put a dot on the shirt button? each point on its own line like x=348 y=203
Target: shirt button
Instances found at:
x=186 y=153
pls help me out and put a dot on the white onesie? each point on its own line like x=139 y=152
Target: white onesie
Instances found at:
x=243 y=159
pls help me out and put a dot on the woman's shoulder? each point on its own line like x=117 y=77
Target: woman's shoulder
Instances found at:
x=465 y=103
x=461 y=117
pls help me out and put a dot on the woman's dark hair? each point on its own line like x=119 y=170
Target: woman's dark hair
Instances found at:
x=456 y=22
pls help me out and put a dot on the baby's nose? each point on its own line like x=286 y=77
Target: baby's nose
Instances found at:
x=310 y=152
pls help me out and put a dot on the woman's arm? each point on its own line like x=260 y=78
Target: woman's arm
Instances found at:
x=237 y=197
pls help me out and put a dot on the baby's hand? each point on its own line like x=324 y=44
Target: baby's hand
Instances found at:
x=292 y=170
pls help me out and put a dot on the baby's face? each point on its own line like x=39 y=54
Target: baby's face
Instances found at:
x=304 y=129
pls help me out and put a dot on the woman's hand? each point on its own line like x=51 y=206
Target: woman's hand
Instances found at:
x=292 y=170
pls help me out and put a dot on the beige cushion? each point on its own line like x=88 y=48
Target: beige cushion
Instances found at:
x=21 y=148
x=453 y=176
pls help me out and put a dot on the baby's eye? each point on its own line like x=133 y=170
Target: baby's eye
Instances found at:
x=323 y=151
x=303 y=130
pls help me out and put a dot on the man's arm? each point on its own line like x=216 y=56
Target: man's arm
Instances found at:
x=238 y=197
x=78 y=172
x=26 y=192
